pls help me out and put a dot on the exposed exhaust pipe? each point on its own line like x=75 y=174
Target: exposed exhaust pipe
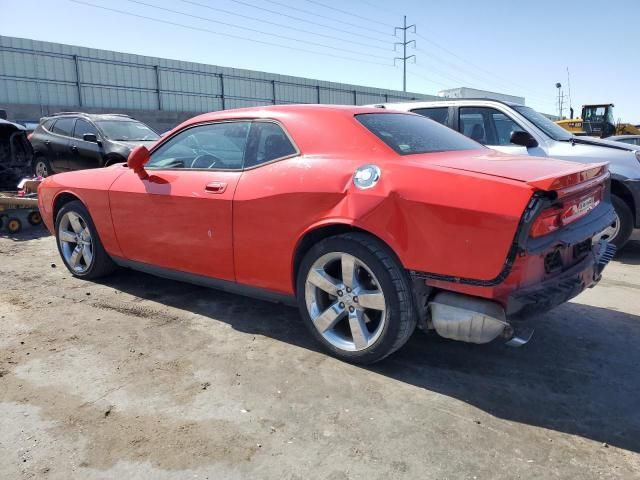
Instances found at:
x=470 y=319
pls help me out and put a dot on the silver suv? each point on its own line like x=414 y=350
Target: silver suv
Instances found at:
x=517 y=129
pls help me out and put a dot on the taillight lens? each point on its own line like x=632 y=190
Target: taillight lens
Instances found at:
x=571 y=210
x=547 y=222
x=29 y=136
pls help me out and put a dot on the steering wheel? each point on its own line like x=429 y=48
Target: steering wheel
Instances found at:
x=204 y=161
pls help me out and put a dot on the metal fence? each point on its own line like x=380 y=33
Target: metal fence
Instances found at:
x=43 y=73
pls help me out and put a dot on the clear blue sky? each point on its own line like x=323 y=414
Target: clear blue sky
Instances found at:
x=517 y=47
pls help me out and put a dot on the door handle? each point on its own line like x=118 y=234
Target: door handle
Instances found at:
x=215 y=187
x=47 y=142
x=74 y=148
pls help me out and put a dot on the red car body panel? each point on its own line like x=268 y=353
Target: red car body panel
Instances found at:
x=453 y=214
x=184 y=228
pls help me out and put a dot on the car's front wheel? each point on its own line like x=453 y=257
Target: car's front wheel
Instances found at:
x=79 y=244
x=355 y=297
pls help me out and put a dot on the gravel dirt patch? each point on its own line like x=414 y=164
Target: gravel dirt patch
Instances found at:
x=140 y=377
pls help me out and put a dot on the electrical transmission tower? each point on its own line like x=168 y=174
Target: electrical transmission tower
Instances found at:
x=404 y=44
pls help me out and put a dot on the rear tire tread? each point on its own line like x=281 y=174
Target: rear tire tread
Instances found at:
x=406 y=317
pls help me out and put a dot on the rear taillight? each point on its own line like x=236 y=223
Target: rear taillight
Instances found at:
x=569 y=211
x=30 y=136
x=547 y=222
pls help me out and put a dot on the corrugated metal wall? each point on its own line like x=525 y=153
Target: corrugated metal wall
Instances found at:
x=43 y=73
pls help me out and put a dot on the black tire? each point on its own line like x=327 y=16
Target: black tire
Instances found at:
x=101 y=263
x=14 y=225
x=625 y=217
x=41 y=167
x=113 y=160
x=401 y=317
x=34 y=218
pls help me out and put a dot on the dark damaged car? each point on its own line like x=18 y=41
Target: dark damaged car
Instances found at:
x=77 y=141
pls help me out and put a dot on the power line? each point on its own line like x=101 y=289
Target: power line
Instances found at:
x=326 y=17
x=282 y=25
x=315 y=2
x=284 y=37
x=228 y=35
x=377 y=7
x=414 y=74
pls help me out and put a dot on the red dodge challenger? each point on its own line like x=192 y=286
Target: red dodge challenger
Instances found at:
x=371 y=221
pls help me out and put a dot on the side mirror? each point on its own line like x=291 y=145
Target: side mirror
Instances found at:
x=138 y=157
x=90 y=137
x=524 y=139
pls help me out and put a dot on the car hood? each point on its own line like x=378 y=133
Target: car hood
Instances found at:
x=599 y=142
x=536 y=171
x=131 y=145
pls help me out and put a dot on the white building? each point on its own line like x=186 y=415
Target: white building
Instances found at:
x=466 y=92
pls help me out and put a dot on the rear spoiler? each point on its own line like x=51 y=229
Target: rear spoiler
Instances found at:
x=593 y=174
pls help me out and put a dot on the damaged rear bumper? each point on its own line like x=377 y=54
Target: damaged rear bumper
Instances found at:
x=478 y=320
x=562 y=287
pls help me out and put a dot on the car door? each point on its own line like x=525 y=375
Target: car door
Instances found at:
x=490 y=127
x=83 y=153
x=59 y=143
x=180 y=218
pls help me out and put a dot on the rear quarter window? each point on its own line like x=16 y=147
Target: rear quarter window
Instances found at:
x=410 y=134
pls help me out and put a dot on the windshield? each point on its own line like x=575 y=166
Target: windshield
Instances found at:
x=409 y=134
x=126 y=130
x=543 y=123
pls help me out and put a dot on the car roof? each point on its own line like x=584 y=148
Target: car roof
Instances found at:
x=283 y=111
x=90 y=116
x=445 y=102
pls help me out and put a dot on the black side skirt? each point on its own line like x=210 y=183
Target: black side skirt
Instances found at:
x=203 y=281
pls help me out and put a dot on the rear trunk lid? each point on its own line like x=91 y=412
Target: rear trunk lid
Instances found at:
x=541 y=173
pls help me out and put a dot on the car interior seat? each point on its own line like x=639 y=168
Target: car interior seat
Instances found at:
x=477 y=133
x=276 y=146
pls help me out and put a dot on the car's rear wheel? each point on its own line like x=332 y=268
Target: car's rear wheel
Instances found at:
x=621 y=229
x=41 y=167
x=355 y=298
x=79 y=244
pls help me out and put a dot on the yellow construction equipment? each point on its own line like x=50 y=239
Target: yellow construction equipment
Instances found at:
x=598 y=121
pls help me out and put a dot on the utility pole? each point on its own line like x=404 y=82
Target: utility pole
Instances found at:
x=560 y=98
x=569 y=85
x=404 y=44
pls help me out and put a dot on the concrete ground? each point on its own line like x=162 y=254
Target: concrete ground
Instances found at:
x=139 y=377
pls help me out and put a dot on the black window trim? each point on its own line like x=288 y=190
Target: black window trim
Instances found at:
x=250 y=121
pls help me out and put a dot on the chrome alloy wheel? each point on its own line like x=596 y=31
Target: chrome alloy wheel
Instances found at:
x=76 y=243
x=609 y=233
x=41 y=169
x=345 y=301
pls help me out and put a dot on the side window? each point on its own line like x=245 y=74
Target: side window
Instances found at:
x=211 y=146
x=487 y=125
x=64 y=126
x=267 y=142
x=48 y=125
x=82 y=127
x=440 y=115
